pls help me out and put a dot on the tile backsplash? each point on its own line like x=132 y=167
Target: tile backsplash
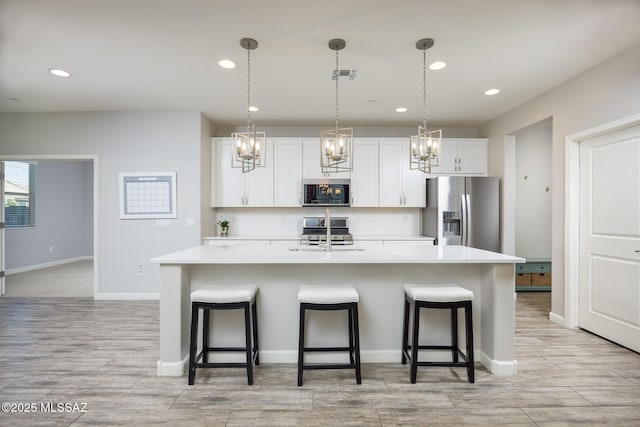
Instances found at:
x=288 y=221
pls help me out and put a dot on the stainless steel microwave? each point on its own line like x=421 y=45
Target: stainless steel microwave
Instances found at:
x=326 y=192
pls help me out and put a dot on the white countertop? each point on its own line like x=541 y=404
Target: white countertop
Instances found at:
x=356 y=237
x=249 y=254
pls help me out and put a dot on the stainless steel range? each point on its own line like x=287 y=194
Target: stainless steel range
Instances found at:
x=314 y=231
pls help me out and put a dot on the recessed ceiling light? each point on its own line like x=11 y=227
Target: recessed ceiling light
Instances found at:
x=401 y=110
x=227 y=63
x=14 y=99
x=438 y=65
x=58 y=72
x=253 y=108
x=492 y=92
x=371 y=101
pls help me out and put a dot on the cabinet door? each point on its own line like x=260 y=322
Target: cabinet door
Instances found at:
x=287 y=172
x=311 y=161
x=415 y=185
x=259 y=183
x=391 y=173
x=448 y=158
x=229 y=182
x=364 y=178
x=472 y=157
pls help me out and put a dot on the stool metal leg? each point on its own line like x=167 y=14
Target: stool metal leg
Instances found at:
x=351 y=342
x=414 y=346
x=356 y=342
x=247 y=337
x=193 y=346
x=301 y=345
x=205 y=334
x=256 y=347
x=454 y=333
x=405 y=332
x=469 y=326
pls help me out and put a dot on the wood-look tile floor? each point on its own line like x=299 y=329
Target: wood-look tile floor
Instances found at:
x=104 y=354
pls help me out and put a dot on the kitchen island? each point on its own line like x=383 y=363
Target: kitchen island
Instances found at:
x=378 y=273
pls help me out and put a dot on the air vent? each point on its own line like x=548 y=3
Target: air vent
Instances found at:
x=352 y=74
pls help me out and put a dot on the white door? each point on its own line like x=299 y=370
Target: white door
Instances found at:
x=610 y=237
x=2 y=270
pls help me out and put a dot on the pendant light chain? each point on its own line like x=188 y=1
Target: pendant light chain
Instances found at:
x=248 y=88
x=337 y=79
x=424 y=88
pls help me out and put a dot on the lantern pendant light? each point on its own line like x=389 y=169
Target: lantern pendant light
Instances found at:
x=336 y=145
x=249 y=150
x=425 y=146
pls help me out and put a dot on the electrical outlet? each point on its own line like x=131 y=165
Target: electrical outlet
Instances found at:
x=140 y=270
x=50 y=248
x=191 y=222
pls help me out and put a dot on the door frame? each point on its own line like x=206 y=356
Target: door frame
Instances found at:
x=71 y=157
x=572 y=213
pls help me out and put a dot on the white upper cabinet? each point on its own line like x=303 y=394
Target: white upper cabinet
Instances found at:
x=464 y=156
x=287 y=172
x=236 y=189
x=399 y=186
x=311 y=161
x=364 y=178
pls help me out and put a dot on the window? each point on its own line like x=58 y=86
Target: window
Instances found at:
x=19 y=206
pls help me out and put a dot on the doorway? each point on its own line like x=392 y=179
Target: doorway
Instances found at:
x=55 y=256
x=603 y=234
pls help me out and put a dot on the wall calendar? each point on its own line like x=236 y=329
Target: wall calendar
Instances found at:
x=148 y=195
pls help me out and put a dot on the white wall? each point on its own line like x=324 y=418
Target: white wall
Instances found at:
x=533 y=193
x=607 y=92
x=123 y=142
x=63 y=222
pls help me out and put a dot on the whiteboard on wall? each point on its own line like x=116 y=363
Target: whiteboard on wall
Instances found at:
x=148 y=195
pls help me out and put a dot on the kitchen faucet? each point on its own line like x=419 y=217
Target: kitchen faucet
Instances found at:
x=327 y=223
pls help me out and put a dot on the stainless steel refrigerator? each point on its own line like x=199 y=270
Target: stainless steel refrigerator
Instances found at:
x=463 y=211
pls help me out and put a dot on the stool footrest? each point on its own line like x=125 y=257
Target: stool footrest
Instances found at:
x=328 y=366
x=328 y=349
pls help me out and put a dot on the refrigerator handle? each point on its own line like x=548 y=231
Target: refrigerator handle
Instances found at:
x=463 y=214
x=468 y=213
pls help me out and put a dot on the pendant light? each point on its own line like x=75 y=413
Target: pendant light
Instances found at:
x=336 y=144
x=250 y=146
x=425 y=146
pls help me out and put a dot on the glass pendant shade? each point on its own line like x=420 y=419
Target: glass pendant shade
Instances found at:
x=248 y=149
x=425 y=149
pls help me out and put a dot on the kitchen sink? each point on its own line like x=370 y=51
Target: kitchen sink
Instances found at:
x=321 y=249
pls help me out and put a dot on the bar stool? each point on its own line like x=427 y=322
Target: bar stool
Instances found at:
x=339 y=297
x=232 y=297
x=441 y=296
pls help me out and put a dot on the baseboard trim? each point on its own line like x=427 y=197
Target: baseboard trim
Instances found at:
x=153 y=296
x=501 y=368
x=555 y=318
x=24 y=269
x=172 y=369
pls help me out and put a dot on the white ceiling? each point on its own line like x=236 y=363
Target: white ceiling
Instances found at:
x=163 y=55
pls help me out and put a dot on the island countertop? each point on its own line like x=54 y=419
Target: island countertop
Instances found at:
x=299 y=254
x=378 y=273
